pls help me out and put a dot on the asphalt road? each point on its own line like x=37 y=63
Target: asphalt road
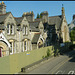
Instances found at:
x=64 y=64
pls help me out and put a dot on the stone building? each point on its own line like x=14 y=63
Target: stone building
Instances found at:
x=19 y=34
x=55 y=27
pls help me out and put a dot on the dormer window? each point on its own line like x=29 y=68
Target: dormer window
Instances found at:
x=25 y=30
x=10 y=28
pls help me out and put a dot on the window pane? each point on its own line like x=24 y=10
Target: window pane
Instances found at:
x=23 y=29
x=25 y=45
x=11 y=29
x=26 y=30
x=11 y=47
x=8 y=28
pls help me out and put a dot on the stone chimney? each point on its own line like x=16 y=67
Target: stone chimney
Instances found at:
x=44 y=16
x=29 y=16
x=2 y=8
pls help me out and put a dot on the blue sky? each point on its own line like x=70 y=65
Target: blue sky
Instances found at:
x=53 y=7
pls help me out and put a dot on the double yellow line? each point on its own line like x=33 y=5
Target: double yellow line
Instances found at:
x=59 y=65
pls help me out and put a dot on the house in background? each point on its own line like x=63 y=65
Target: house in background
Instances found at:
x=72 y=24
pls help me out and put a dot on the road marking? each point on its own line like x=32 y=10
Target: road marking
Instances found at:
x=59 y=71
x=71 y=72
x=59 y=65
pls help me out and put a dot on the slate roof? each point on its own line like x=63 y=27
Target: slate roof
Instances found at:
x=55 y=20
x=39 y=19
x=18 y=19
x=3 y=17
x=34 y=25
x=35 y=38
x=2 y=26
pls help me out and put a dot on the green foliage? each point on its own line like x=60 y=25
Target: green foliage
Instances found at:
x=48 y=52
x=68 y=24
x=46 y=56
x=56 y=52
x=38 y=16
x=72 y=34
x=43 y=57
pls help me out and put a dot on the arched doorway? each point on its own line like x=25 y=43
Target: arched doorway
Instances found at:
x=4 y=49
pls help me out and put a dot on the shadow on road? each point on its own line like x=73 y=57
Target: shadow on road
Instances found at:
x=71 y=54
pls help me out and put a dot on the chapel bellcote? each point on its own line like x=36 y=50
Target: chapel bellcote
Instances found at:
x=63 y=11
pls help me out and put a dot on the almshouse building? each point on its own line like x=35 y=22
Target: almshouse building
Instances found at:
x=19 y=34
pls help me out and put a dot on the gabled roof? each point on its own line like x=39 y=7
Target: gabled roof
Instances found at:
x=55 y=20
x=3 y=17
x=18 y=19
x=34 y=25
x=36 y=38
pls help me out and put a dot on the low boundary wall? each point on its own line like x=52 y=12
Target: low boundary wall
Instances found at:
x=13 y=63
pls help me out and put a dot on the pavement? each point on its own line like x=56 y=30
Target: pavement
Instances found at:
x=63 y=64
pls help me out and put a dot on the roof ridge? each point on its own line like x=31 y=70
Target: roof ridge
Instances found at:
x=54 y=16
x=18 y=17
x=5 y=14
x=34 y=21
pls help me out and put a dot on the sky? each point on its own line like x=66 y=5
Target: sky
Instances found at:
x=17 y=8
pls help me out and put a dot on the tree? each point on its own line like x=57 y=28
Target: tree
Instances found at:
x=68 y=24
x=38 y=16
x=72 y=34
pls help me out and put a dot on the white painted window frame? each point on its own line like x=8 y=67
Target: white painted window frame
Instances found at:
x=23 y=30
x=13 y=29
x=8 y=30
x=26 y=28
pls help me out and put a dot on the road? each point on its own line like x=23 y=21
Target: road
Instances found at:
x=64 y=64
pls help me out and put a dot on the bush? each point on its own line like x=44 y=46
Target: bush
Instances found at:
x=43 y=57
x=48 y=52
x=56 y=52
